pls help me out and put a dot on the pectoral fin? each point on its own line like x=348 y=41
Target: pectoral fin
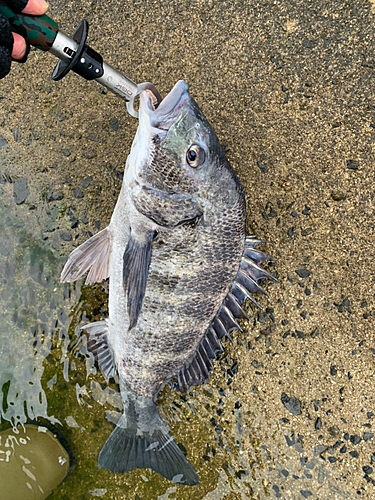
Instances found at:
x=166 y=209
x=137 y=258
x=93 y=254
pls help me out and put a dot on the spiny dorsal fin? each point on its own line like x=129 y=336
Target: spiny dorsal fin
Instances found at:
x=93 y=253
x=225 y=321
x=137 y=258
x=97 y=343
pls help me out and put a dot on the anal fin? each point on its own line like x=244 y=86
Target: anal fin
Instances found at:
x=93 y=254
x=98 y=344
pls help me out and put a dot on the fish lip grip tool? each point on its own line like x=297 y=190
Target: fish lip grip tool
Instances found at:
x=73 y=53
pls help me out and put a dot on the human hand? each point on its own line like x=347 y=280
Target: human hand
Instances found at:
x=12 y=45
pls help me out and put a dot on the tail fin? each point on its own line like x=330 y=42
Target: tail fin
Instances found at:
x=130 y=447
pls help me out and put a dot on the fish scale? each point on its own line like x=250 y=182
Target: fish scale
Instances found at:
x=180 y=269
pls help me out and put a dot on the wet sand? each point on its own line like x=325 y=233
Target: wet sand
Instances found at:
x=289 y=89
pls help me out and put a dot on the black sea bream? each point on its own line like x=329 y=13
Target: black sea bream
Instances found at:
x=180 y=268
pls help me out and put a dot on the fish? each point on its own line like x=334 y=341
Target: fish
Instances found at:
x=180 y=268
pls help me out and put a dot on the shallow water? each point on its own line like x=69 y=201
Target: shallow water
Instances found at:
x=47 y=377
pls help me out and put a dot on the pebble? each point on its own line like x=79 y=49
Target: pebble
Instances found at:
x=338 y=196
x=86 y=182
x=367 y=469
x=16 y=134
x=66 y=152
x=262 y=167
x=318 y=424
x=66 y=236
x=85 y=220
x=303 y=273
x=20 y=190
x=3 y=142
x=77 y=193
x=305 y=493
x=367 y=436
x=319 y=449
x=114 y=124
x=292 y=404
x=351 y=164
x=354 y=454
x=355 y=439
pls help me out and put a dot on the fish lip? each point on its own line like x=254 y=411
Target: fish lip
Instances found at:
x=163 y=116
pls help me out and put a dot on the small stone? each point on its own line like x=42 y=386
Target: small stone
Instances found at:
x=303 y=273
x=318 y=424
x=318 y=450
x=57 y=196
x=367 y=436
x=68 y=180
x=351 y=164
x=114 y=124
x=77 y=193
x=306 y=232
x=262 y=167
x=85 y=220
x=276 y=489
x=20 y=190
x=86 y=182
x=332 y=459
x=355 y=439
x=333 y=431
x=306 y=210
x=292 y=404
x=61 y=117
x=354 y=454
x=66 y=152
x=343 y=449
x=333 y=370
x=233 y=370
x=66 y=236
x=52 y=166
x=3 y=142
x=305 y=493
x=338 y=196
x=367 y=469
x=284 y=472
x=16 y=134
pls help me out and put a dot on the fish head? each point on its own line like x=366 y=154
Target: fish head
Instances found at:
x=181 y=153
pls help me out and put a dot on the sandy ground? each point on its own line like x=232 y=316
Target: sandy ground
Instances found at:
x=289 y=89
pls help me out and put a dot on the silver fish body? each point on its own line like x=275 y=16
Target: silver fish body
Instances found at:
x=179 y=268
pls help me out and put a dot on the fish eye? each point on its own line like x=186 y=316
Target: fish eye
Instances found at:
x=195 y=156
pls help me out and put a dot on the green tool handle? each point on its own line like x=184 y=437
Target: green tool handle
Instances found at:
x=39 y=31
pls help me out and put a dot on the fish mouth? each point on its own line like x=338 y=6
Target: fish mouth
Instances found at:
x=163 y=114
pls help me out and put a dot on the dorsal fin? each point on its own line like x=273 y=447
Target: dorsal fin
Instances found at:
x=197 y=371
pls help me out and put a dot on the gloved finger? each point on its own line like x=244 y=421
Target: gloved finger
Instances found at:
x=16 y=5
x=19 y=47
x=6 y=46
x=36 y=7
x=24 y=48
